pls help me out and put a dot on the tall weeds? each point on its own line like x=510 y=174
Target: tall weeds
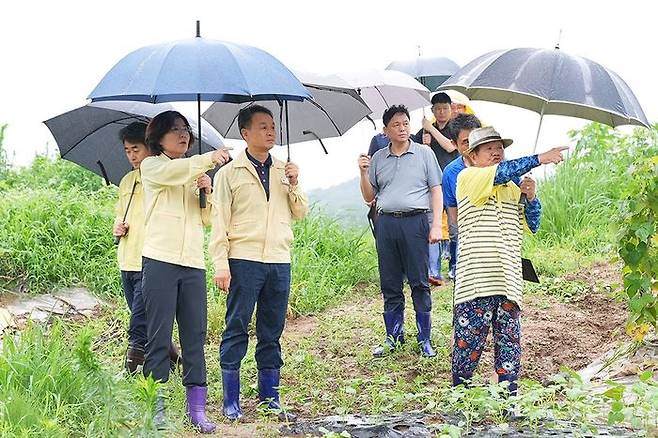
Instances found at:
x=55 y=230
x=582 y=199
x=54 y=387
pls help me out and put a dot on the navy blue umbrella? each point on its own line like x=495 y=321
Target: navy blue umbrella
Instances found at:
x=199 y=69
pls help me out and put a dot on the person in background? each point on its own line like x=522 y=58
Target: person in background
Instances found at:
x=462 y=125
x=405 y=178
x=378 y=141
x=437 y=136
x=256 y=198
x=129 y=216
x=489 y=283
x=173 y=274
x=460 y=103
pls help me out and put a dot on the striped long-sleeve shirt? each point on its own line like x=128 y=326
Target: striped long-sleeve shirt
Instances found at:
x=491 y=221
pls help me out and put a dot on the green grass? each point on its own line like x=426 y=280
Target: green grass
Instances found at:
x=328 y=262
x=68 y=381
x=60 y=236
x=53 y=385
x=52 y=238
x=55 y=222
x=581 y=200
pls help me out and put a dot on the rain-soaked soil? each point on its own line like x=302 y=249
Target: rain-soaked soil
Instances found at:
x=555 y=333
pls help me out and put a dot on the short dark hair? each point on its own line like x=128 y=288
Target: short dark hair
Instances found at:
x=133 y=133
x=441 y=98
x=393 y=110
x=463 y=121
x=246 y=114
x=160 y=126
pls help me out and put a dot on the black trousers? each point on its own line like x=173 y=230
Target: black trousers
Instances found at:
x=173 y=291
x=402 y=248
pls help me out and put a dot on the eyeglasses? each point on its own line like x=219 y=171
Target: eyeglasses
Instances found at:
x=181 y=130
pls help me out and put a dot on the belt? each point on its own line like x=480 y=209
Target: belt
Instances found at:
x=404 y=213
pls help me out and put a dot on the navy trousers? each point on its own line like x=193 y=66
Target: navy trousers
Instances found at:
x=132 y=290
x=402 y=248
x=266 y=287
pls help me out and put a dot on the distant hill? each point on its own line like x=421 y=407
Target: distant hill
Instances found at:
x=342 y=202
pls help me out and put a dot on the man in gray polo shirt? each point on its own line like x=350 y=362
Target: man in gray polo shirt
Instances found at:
x=406 y=180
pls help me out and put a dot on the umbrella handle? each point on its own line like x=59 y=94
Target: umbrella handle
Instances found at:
x=524 y=199
x=202 y=193
x=116 y=240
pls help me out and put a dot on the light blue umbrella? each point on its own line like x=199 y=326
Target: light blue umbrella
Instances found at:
x=199 y=69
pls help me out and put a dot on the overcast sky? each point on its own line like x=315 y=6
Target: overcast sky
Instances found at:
x=54 y=53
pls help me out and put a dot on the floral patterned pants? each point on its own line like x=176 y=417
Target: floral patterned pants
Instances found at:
x=472 y=320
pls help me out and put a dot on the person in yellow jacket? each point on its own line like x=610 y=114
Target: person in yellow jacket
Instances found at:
x=129 y=216
x=254 y=201
x=173 y=268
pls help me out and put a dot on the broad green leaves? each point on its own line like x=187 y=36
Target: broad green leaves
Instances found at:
x=638 y=238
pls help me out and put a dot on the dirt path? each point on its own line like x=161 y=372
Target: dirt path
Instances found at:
x=338 y=341
x=554 y=333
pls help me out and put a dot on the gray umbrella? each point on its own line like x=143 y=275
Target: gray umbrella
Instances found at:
x=380 y=89
x=334 y=109
x=549 y=81
x=430 y=71
x=89 y=135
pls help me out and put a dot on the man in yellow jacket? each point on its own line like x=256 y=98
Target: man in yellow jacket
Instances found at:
x=129 y=233
x=255 y=198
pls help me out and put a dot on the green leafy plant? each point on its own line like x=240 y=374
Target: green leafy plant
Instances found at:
x=638 y=237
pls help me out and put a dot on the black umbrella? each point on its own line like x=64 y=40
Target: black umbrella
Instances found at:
x=549 y=81
x=89 y=135
x=334 y=109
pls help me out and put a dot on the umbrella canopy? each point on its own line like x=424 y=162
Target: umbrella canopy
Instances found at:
x=89 y=135
x=199 y=68
x=334 y=109
x=382 y=88
x=550 y=81
x=430 y=71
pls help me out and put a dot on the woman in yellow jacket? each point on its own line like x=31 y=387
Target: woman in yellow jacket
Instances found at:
x=173 y=276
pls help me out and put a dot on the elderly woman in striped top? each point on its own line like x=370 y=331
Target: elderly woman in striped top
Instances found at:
x=491 y=220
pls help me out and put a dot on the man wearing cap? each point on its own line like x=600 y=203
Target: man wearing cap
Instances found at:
x=460 y=103
x=488 y=286
x=406 y=179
